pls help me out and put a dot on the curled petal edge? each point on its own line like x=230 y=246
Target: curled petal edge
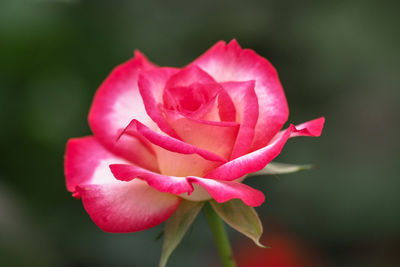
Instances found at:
x=168 y=142
x=258 y=159
x=221 y=191
x=163 y=183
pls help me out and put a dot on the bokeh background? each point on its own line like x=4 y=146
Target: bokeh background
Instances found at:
x=337 y=58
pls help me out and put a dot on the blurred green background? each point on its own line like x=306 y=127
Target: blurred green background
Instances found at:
x=339 y=59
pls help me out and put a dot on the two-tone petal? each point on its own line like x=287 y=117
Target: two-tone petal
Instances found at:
x=258 y=159
x=115 y=206
x=115 y=104
x=229 y=62
x=221 y=191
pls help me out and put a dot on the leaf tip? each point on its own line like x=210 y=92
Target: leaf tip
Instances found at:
x=308 y=167
x=257 y=242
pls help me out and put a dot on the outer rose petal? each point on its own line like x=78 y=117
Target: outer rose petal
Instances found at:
x=115 y=206
x=115 y=104
x=163 y=183
x=84 y=160
x=257 y=160
x=232 y=63
x=310 y=128
x=127 y=207
x=223 y=191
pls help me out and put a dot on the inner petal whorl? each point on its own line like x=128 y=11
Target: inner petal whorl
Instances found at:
x=188 y=99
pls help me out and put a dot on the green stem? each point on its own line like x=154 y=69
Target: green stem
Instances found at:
x=220 y=236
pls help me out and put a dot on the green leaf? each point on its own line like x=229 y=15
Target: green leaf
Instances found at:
x=176 y=227
x=241 y=217
x=282 y=168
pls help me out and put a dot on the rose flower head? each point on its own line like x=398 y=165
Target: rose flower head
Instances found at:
x=163 y=134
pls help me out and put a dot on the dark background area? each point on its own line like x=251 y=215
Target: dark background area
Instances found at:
x=339 y=59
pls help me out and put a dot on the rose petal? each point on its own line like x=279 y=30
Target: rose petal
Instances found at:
x=151 y=86
x=223 y=191
x=127 y=206
x=226 y=107
x=167 y=142
x=191 y=100
x=229 y=62
x=188 y=76
x=115 y=206
x=208 y=112
x=163 y=183
x=246 y=105
x=217 y=137
x=177 y=164
x=258 y=159
x=192 y=89
x=176 y=157
x=310 y=128
x=115 y=104
x=84 y=158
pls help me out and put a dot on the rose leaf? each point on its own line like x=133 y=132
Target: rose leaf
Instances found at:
x=176 y=227
x=241 y=217
x=283 y=168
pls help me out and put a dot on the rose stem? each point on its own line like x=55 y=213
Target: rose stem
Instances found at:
x=220 y=236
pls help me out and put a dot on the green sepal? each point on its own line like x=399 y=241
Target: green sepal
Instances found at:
x=241 y=217
x=176 y=227
x=283 y=168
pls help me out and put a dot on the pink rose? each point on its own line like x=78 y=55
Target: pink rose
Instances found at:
x=162 y=134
